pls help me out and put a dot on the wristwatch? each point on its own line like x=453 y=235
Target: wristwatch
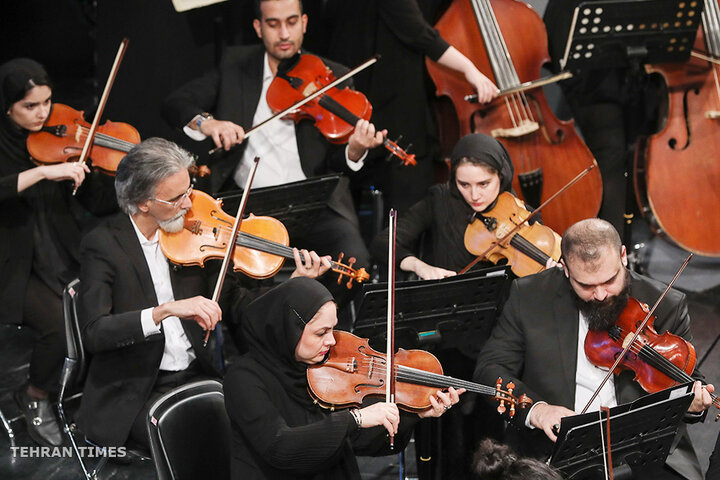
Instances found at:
x=199 y=119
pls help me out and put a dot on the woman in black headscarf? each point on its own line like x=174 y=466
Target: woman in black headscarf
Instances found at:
x=39 y=236
x=480 y=169
x=278 y=431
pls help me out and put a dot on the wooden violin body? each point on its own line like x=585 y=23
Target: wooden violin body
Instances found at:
x=527 y=250
x=353 y=370
x=65 y=131
x=545 y=151
x=677 y=175
x=335 y=112
x=260 y=248
x=659 y=361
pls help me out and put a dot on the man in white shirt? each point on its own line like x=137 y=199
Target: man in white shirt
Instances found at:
x=230 y=99
x=143 y=319
x=538 y=341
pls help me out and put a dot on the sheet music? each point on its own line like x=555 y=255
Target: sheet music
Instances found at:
x=185 y=5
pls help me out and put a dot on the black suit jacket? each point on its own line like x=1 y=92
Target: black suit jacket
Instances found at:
x=534 y=345
x=232 y=92
x=115 y=287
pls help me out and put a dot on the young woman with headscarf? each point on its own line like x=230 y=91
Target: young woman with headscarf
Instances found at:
x=480 y=169
x=39 y=236
x=278 y=430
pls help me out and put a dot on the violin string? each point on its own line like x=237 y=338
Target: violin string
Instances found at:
x=248 y=240
x=528 y=248
x=711 y=28
x=422 y=377
x=110 y=141
x=664 y=365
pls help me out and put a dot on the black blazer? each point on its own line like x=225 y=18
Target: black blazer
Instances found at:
x=534 y=345
x=232 y=92
x=115 y=287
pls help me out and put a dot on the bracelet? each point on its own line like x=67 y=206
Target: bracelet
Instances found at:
x=357 y=415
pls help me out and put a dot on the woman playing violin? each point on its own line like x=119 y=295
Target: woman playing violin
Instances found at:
x=278 y=430
x=39 y=235
x=480 y=169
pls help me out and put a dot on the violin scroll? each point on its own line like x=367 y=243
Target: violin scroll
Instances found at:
x=504 y=396
x=359 y=275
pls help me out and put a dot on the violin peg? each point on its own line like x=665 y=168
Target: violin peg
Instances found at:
x=501 y=408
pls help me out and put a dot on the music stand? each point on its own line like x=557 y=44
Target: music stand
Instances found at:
x=457 y=311
x=295 y=204
x=612 y=33
x=641 y=434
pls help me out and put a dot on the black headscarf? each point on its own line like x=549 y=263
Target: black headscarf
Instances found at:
x=486 y=149
x=16 y=78
x=273 y=325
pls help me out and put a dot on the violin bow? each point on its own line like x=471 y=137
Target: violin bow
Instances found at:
x=233 y=235
x=101 y=105
x=532 y=214
x=309 y=98
x=638 y=331
x=390 y=352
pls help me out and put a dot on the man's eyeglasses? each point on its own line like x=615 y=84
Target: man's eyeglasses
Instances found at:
x=178 y=201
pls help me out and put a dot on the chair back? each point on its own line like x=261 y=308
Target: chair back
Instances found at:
x=75 y=350
x=190 y=433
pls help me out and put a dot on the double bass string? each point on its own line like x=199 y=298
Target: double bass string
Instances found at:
x=517 y=104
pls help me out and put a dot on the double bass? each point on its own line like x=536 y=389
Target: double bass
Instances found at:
x=677 y=175
x=506 y=40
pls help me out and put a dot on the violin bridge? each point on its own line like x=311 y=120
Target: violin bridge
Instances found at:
x=712 y=114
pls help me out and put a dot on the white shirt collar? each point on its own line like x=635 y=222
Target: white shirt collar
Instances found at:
x=141 y=238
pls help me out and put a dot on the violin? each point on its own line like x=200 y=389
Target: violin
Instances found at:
x=262 y=242
x=659 y=361
x=335 y=112
x=527 y=250
x=507 y=41
x=353 y=371
x=65 y=131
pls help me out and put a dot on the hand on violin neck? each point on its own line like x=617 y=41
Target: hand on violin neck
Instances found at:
x=363 y=138
x=442 y=402
x=702 y=400
x=381 y=414
x=309 y=264
x=545 y=417
x=423 y=270
x=225 y=134
x=201 y=310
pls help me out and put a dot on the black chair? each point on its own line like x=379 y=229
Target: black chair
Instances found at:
x=190 y=433
x=73 y=375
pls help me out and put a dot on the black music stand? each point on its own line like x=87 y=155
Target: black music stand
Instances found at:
x=641 y=434
x=629 y=33
x=295 y=204
x=456 y=312
x=613 y=33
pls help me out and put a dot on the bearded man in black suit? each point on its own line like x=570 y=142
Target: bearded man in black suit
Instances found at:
x=538 y=341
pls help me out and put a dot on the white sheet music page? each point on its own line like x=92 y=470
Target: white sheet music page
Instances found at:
x=184 y=5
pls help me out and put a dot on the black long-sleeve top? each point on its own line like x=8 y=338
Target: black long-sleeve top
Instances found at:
x=275 y=437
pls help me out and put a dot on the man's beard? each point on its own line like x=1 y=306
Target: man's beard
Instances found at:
x=601 y=315
x=175 y=224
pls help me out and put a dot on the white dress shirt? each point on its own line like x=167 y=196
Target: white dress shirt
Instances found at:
x=178 y=353
x=587 y=379
x=275 y=144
